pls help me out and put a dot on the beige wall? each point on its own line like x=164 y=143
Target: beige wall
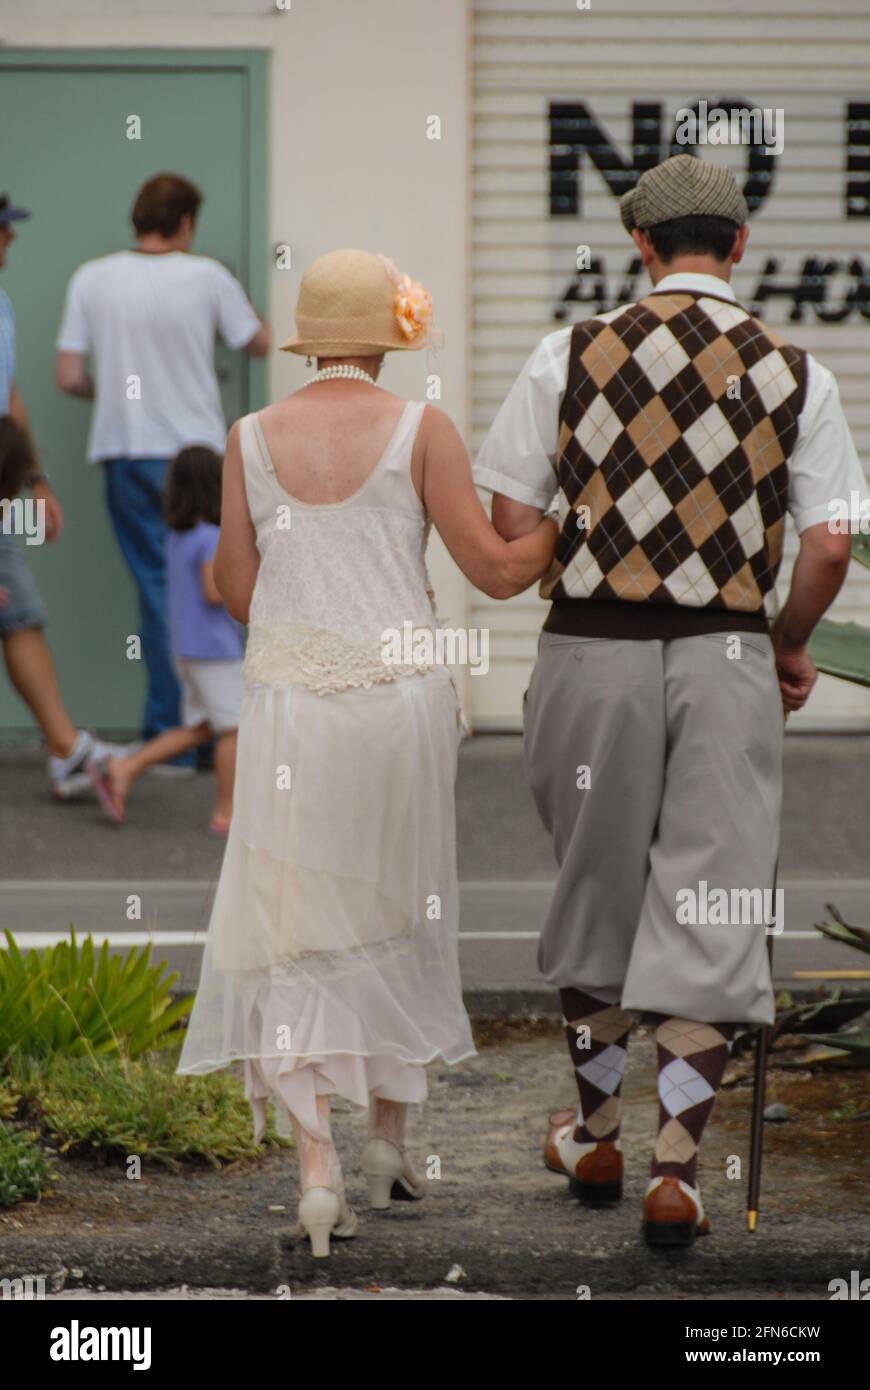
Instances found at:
x=352 y=83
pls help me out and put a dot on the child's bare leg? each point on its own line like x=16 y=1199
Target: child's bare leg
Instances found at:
x=121 y=773
x=225 y=772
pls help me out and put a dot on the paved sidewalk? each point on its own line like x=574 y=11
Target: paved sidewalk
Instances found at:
x=826 y=819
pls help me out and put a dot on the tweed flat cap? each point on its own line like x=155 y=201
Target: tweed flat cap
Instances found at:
x=683 y=186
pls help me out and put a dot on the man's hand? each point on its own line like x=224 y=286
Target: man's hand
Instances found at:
x=818 y=573
x=71 y=375
x=53 y=511
x=796 y=673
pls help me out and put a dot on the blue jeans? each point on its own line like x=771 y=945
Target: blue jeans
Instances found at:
x=134 y=493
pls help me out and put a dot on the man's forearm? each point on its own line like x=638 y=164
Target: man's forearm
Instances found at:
x=72 y=376
x=816 y=580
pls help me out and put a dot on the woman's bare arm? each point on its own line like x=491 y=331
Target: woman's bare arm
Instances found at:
x=499 y=568
x=237 y=560
x=211 y=592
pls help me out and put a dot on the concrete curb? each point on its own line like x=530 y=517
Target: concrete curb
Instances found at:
x=383 y=1256
x=531 y=1001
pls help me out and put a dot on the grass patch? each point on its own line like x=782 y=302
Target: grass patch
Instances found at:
x=88 y=1049
x=119 y=1108
x=25 y=1169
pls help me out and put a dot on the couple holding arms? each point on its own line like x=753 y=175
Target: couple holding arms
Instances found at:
x=674 y=434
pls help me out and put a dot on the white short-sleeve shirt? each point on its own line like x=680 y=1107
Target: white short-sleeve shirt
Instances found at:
x=148 y=324
x=518 y=455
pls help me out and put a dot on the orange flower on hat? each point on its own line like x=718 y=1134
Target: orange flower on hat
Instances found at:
x=413 y=307
x=413 y=303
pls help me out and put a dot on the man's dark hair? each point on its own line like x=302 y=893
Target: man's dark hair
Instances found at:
x=693 y=236
x=162 y=202
x=193 y=488
x=17 y=464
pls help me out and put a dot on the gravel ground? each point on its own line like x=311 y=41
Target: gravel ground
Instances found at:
x=495 y=1220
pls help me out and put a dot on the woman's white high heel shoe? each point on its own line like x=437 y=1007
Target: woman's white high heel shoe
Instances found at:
x=322 y=1214
x=387 y=1173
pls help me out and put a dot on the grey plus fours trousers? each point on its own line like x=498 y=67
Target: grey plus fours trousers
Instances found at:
x=683 y=745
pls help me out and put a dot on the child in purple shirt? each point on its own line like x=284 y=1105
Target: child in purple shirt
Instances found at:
x=207 y=644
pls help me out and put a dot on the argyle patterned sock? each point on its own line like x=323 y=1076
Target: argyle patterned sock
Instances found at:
x=691 y=1062
x=597 y=1036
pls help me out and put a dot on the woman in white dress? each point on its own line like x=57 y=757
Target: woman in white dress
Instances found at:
x=331 y=964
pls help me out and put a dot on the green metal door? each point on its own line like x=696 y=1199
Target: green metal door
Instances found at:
x=65 y=154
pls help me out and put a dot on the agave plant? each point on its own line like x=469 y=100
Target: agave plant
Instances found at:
x=848 y=1049
x=840 y=930
x=843 y=650
x=70 y=1000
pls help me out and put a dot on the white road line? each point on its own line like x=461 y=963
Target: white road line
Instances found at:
x=90 y=885
x=37 y=940
x=535 y=935
x=30 y=940
x=474 y=885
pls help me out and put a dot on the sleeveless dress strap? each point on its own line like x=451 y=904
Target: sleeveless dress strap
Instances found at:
x=393 y=483
x=259 y=473
x=265 y=456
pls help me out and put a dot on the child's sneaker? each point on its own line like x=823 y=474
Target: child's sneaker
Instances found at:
x=103 y=749
x=69 y=777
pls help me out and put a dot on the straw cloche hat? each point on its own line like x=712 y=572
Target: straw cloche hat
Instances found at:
x=356 y=304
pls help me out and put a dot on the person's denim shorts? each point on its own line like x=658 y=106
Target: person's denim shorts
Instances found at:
x=23 y=608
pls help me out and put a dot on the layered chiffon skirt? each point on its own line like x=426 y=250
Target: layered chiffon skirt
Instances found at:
x=331 y=960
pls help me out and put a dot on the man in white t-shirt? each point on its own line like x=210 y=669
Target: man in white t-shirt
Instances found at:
x=137 y=338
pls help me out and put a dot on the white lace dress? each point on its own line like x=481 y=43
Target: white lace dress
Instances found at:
x=331 y=961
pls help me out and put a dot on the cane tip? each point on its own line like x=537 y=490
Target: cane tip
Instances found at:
x=751 y=1221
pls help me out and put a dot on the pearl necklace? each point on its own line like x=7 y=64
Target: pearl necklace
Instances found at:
x=344 y=370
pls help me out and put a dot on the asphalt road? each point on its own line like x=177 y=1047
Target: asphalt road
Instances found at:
x=63 y=864
x=498 y=932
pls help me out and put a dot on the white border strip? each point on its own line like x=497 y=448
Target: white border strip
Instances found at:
x=39 y=940
x=474 y=885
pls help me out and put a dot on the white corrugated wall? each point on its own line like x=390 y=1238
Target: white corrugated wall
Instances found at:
x=812 y=62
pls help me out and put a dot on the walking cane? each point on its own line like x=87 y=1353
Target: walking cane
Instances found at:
x=759 y=1086
x=762 y=1048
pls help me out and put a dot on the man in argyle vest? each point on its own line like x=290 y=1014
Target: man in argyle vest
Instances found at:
x=674 y=434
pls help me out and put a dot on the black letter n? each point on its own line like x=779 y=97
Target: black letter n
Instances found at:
x=574 y=132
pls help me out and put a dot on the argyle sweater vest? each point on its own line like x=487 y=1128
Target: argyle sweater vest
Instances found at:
x=678 y=420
